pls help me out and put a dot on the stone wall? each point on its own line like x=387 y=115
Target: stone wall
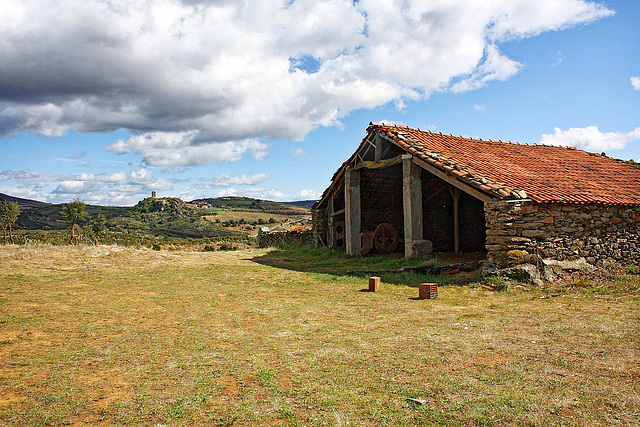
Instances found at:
x=320 y=222
x=273 y=238
x=521 y=232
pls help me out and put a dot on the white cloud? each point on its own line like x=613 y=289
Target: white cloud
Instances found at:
x=107 y=189
x=525 y=18
x=175 y=171
x=298 y=152
x=228 y=180
x=307 y=194
x=278 y=196
x=181 y=149
x=201 y=81
x=635 y=82
x=590 y=138
x=480 y=108
x=255 y=193
x=494 y=67
x=559 y=59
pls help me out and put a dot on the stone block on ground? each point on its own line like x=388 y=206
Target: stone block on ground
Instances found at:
x=423 y=249
x=554 y=270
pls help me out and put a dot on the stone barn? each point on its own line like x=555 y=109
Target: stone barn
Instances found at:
x=411 y=191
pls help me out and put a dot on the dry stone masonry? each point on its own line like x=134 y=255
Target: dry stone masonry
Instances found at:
x=273 y=238
x=523 y=232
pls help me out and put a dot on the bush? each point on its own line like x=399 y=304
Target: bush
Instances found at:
x=226 y=246
x=498 y=284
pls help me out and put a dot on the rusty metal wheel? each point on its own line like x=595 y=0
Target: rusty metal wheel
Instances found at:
x=366 y=239
x=385 y=239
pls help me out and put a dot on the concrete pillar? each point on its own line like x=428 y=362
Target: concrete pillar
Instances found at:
x=411 y=203
x=352 y=211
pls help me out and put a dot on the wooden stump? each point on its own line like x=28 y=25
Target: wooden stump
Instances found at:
x=367 y=242
x=385 y=239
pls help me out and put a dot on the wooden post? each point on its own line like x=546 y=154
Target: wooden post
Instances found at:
x=411 y=203
x=455 y=193
x=352 y=213
x=330 y=231
x=378 y=152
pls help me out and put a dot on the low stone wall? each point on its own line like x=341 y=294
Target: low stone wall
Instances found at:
x=320 y=223
x=526 y=232
x=273 y=238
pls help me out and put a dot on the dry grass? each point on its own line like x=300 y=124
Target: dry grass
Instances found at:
x=114 y=336
x=253 y=216
x=249 y=216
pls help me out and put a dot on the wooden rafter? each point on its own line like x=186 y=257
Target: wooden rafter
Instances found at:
x=453 y=180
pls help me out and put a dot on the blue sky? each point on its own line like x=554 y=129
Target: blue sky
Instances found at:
x=110 y=101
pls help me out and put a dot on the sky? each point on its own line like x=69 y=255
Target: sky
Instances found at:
x=109 y=100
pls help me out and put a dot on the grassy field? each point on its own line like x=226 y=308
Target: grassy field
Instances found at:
x=251 y=218
x=105 y=335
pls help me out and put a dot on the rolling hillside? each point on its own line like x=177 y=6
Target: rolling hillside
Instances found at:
x=169 y=217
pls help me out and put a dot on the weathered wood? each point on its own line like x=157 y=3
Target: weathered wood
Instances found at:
x=378 y=152
x=352 y=212
x=453 y=180
x=380 y=163
x=455 y=193
x=383 y=146
x=427 y=269
x=412 y=203
x=330 y=231
x=367 y=242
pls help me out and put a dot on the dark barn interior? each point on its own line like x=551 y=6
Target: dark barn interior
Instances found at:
x=381 y=183
x=438 y=217
x=382 y=202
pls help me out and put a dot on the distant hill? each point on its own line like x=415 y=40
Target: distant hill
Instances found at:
x=233 y=202
x=161 y=217
x=170 y=217
x=36 y=215
x=302 y=203
x=23 y=202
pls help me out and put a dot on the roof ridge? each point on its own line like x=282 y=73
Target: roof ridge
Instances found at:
x=499 y=141
x=389 y=125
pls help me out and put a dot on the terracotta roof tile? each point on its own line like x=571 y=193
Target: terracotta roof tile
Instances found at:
x=544 y=173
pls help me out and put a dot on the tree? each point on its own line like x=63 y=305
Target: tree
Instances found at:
x=9 y=213
x=98 y=227
x=74 y=212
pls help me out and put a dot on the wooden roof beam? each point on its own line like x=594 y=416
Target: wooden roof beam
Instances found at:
x=453 y=180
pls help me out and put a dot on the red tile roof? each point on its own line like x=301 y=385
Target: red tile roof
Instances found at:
x=509 y=170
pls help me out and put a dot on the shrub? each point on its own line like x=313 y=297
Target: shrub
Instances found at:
x=226 y=246
x=498 y=283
